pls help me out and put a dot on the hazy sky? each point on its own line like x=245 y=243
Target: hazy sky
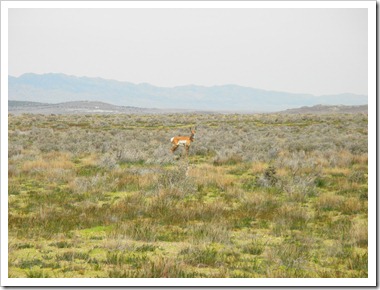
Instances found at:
x=317 y=51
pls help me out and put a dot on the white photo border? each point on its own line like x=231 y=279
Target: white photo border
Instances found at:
x=372 y=200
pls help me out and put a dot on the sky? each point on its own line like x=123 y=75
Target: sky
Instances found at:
x=316 y=50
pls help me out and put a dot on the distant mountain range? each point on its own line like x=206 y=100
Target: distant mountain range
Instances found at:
x=58 y=88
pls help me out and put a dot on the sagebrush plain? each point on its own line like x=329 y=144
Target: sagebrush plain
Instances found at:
x=264 y=195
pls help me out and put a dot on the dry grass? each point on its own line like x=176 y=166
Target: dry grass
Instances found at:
x=210 y=175
x=329 y=201
x=49 y=161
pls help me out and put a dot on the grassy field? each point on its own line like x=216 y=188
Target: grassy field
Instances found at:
x=258 y=196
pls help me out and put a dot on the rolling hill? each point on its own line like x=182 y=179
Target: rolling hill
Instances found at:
x=88 y=107
x=323 y=109
x=84 y=107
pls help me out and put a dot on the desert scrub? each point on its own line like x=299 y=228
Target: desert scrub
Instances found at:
x=160 y=267
x=263 y=195
x=213 y=255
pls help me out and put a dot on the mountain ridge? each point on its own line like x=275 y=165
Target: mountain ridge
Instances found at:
x=58 y=87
